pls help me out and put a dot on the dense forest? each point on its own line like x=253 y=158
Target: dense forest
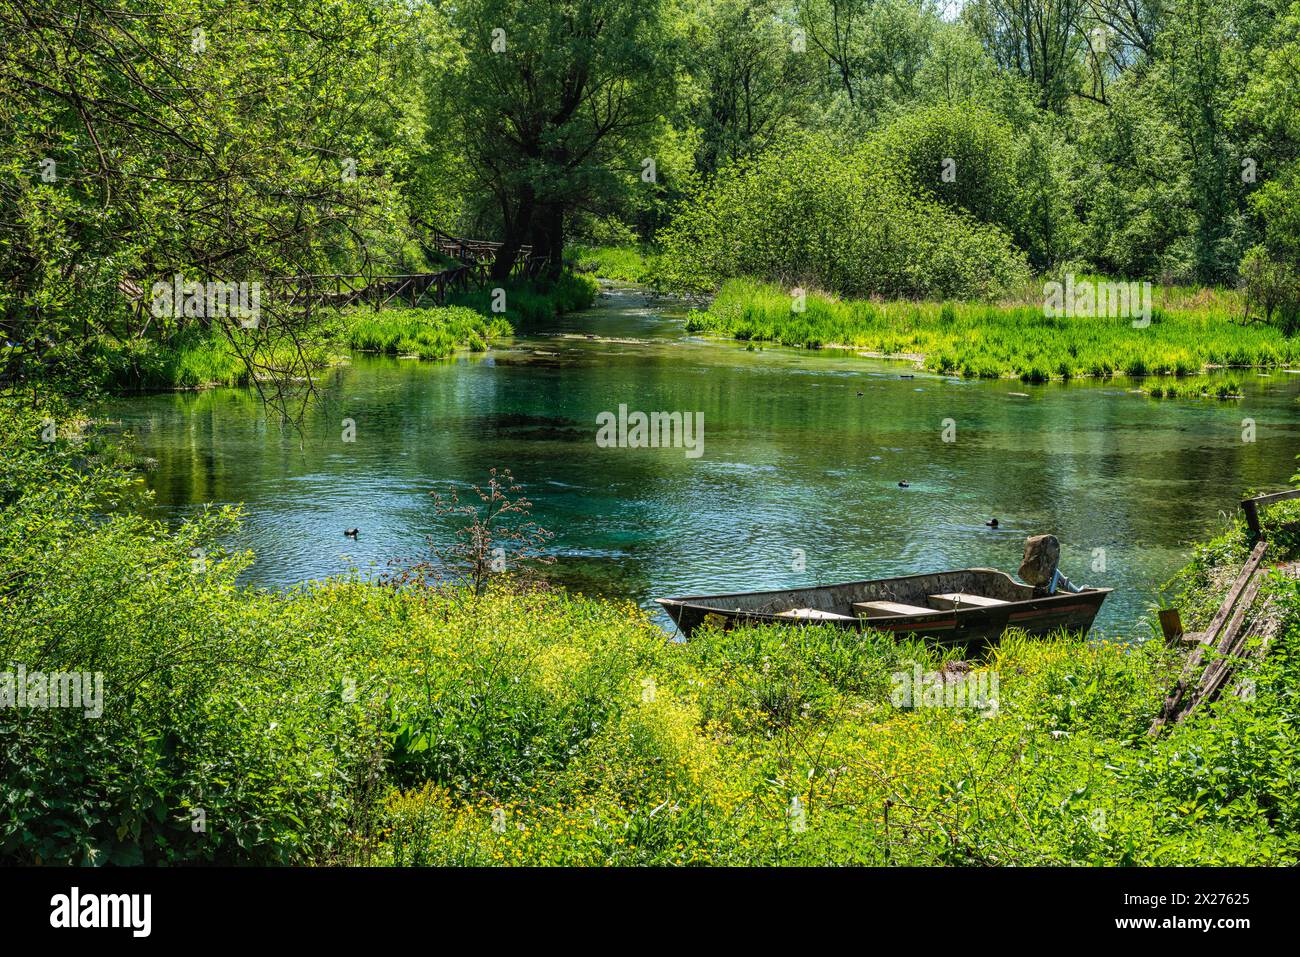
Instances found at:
x=889 y=148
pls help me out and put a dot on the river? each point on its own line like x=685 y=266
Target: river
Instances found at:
x=798 y=483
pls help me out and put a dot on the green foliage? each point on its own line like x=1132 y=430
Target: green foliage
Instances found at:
x=753 y=87
x=622 y=263
x=213 y=146
x=1229 y=389
x=551 y=102
x=427 y=333
x=961 y=155
x=810 y=213
x=534 y=302
x=981 y=340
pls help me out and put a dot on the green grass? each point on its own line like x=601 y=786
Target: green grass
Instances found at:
x=426 y=333
x=1188 y=332
x=203 y=358
x=623 y=263
x=1229 y=389
x=534 y=301
x=197 y=358
x=350 y=722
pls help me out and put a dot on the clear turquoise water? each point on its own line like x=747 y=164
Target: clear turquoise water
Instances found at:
x=794 y=458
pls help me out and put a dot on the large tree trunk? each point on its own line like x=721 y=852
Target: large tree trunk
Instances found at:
x=518 y=225
x=548 y=238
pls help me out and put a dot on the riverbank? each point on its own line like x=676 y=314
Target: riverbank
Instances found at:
x=371 y=724
x=975 y=340
x=1191 y=329
x=199 y=358
x=619 y=263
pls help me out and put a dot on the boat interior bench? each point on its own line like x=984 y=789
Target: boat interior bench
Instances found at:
x=961 y=600
x=943 y=602
x=888 y=609
x=815 y=614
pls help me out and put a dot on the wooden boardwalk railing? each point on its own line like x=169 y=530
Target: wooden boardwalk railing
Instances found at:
x=472 y=257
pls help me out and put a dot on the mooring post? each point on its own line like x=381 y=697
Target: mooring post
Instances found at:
x=1171 y=624
x=1251 y=508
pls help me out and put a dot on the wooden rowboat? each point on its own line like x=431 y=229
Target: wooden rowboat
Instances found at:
x=970 y=607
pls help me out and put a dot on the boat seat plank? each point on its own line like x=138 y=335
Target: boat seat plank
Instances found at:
x=812 y=613
x=963 y=600
x=888 y=609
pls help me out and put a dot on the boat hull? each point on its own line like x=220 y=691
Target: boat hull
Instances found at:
x=974 y=630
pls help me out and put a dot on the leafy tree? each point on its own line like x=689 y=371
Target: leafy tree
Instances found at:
x=1271 y=102
x=1041 y=40
x=873 y=50
x=754 y=81
x=1133 y=184
x=224 y=142
x=1202 y=76
x=555 y=100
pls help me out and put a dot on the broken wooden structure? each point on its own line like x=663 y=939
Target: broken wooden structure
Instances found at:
x=1237 y=635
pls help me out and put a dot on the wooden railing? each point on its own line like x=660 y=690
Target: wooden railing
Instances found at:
x=472 y=257
x=1251 y=507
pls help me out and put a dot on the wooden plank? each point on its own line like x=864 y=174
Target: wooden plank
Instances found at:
x=1228 y=649
x=1240 y=652
x=1221 y=672
x=888 y=609
x=1247 y=571
x=959 y=600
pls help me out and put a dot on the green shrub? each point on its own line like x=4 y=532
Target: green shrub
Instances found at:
x=811 y=214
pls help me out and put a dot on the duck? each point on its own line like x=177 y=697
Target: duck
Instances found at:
x=904 y=484
x=992 y=523
x=350 y=532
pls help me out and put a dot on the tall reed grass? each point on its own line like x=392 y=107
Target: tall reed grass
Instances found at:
x=427 y=333
x=983 y=340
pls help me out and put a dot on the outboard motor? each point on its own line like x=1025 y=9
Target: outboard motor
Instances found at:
x=1039 y=568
